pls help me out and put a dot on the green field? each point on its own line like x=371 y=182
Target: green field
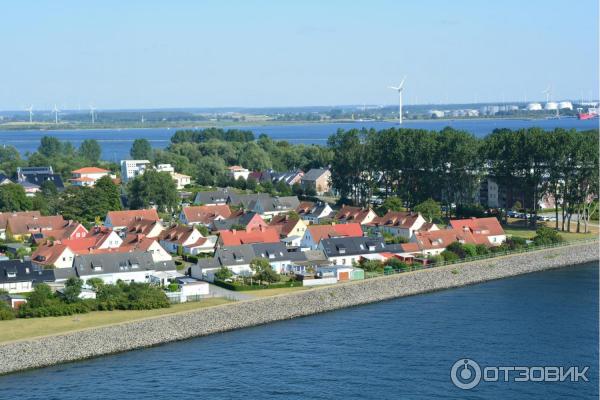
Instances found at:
x=18 y=329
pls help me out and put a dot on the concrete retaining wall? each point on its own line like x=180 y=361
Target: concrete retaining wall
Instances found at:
x=78 y=345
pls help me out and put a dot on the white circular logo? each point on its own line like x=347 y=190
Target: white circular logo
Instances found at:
x=465 y=373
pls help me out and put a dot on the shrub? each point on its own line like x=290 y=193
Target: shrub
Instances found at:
x=223 y=274
x=6 y=312
x=397 y=264
x=456 y=248
x=545 y=235
x=372 y=265
x=482 y=250
x=449 y=256
x=516 y=242
x=470 y=249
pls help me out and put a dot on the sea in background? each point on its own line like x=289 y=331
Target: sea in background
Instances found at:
x=117 y=142
x=396 y=349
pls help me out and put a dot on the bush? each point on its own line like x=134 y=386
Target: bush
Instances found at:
x=545 y=236
x=372 y=265
x=470 y=249
x=515 y=243
x=482 y=250
x=6 y=312
x=397 y=265
x=449 y=256
x=239 y=286
x=456 y=248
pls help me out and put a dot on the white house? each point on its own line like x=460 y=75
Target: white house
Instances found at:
x=132 y=168
x=181 y=180
x=128 y=267
x=398 y=223
x=237 y=171
x=188 y=238
x=87 y=176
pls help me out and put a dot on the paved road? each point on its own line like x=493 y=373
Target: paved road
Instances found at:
x=218 y=291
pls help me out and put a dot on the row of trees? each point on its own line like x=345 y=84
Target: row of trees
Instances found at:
x=449 y=165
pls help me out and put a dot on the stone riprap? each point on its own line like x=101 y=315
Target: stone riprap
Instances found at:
x=49 y=350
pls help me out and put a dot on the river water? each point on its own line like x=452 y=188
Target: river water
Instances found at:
x=116 y=143
x=402 y=348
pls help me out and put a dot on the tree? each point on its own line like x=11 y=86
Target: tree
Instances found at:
x=90 y=150
x=153 y=188
x=392 y=203
x=95 y=283
x=263 y=271
x=108 y=195
x=430 y=209
x=545 y=236
x=251 y=183
x=40 y=296
x=449 y=256
x=141 y=150
x=50 y=147
x=72 y=289
x=13 y=198
x=372 y=265
x=517 y=206
x=456 y=248
x=223 y=273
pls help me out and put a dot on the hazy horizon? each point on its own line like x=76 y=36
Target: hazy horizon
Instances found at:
x=185 y=55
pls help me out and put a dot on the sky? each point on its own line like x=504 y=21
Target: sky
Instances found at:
x=170 y=54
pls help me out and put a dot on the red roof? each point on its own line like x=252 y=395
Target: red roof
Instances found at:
x=479 y=226
x=124 y=218
x=284 y=224
x=48 y=253
x=90 y=170
x=430 y=240
x=236 y=238
x=83 y=179
x=206 y=214
x=348 y=213
x=319 y=232
x=402 y=219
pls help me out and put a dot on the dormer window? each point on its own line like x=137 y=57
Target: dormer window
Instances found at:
x=11 y=274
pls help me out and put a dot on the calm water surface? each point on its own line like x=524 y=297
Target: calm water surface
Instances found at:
x=397 y=349
x=116 y=143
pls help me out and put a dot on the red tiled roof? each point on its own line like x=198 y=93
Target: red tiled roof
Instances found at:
x=283 y=224
x=179 y=234
x=401 y=219
x=206 y=214
x=479 y=226
x=82 y=179
x=305 y=207
x=319 y=232
x=441 y=239
x=4 y=217
x=349 y=213
x=236 y=238
x=48 y=253
x=21 y=225
x=124 y=218
x=90 y=170
x=141 y=226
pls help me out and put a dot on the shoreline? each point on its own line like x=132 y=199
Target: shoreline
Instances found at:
x=153 y=331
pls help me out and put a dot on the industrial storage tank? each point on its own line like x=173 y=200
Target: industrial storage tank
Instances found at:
x=534 y=107
x=565 y=105
x=551 y=105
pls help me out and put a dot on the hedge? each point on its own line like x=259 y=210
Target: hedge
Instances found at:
x=238 y=287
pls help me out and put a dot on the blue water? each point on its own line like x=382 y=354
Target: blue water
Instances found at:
x=397 y=349
x=116 y=143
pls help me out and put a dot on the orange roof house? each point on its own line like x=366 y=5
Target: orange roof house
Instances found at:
x=120 y=219
x=236 y=238
x=486 y=231
x=315 y=233
x=204 y=215
x=359 y=215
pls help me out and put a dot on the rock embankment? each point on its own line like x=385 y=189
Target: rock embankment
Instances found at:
x=78 y=345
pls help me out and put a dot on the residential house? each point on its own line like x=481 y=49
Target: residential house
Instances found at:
x=360 y=215
x=127 y=267
x=71 y=230
x=290 y=177
x=181 y=180
x=188 y=238
x=238 y=237
x=236 y=258
x=18 y=276
x=239 y=219
x=434 y=242
x=264 y=204
x=486 y=231
x=204 y=215
x=398 y=223
x=278 y=256
x=32 y=178
x=150 y=228
x=4 y=217
x=132 y=168
x=142 y=243
x=291 y=229
x=53 y=254
x=313 y=212
x=349 y=250
x=315 y=233
x=22 y=227
x=87 y=176
x=212 y=198
x=119 y=220
x=317 y=179
x=236 y=172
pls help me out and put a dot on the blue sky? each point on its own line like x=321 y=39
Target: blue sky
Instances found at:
x=141 y=54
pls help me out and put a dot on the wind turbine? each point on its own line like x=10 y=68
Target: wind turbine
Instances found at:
x=30 y=110
x=399 y=89
x=56 y=111
x=93 y=114
x=547 y=92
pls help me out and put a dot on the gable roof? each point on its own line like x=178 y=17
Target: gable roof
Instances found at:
x=349 y=246
x=236 y=238
x=4 y=217
x=239 y=218
x=354 y=214
x=142 y=226
x=284 y=224
x=24 y=271
x=206 y=214
x=110 y=263
x=489 y=226
x=124 y=218
x=22 y=224
x=319 y=232
x=220 y=196
x=90 y=170
x=440 y=239
x=314 y=174
x=399 y=219
x=179 y=234
x=48 y=253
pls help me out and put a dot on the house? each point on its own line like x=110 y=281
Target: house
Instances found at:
x=213 y=198
x=148 y=227
x=264 y=204
x=290 y=178
x=165 y=168
x=4 y=180
x=315 y=233
x=349 y=250
x=398 y=223
x=127 y=267
x=132 y=168
x=486 y=231
x=236 y=172
x=190 y=288
x=99 y=237
x=22 y=227
x=290 y=228
x=140 y=242
x=188 y=238
x=314 y=212
x=32 y=177
x=87 y=176
x=235 y=238
x=434 y=242
x=14 y=301
x=317 y=179
x=4 y=217
x=18 y=276
x=55 y=255
x=359 y=215
x=204 y=215
x=71 y=230
x=236 y=258
x=119 y=220
x=181 y=180
x=239 y=219
x=278 y=256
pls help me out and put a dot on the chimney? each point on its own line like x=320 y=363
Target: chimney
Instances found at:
x=233 y=231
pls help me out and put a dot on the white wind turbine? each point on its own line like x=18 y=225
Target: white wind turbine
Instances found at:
x=399 y=89
x=93 y=114
x=30 y=111
x=548 y=92
x=56 y=111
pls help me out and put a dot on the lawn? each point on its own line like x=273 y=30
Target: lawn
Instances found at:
x=18 y=329
x=518 y=228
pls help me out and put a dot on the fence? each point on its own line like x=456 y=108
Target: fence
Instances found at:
x=528 y=249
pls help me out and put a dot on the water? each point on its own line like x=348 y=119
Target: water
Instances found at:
x=116 y=143
x=397 y=349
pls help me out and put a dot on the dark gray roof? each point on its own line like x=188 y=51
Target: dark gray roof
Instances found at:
x=220 y=196
x=264 y=203
x=38 y=179
x=349 y=246
x=110 y=263
x=244 y=254
x=314 y=174
x=24 y=271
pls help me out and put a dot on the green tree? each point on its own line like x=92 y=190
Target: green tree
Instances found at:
x=223 y=273
x=263 y=271
x=72 y=289
x=153 y=188
x=108 y=195
x=141 y=150
x=41 y=295
x=430 y=209
x=90 y=150
x=50 y=147
x=13 y=198
x=392 y=203
x=95 y=283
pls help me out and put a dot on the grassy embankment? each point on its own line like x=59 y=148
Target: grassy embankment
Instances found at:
x=518 y=227
x=22 y=328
